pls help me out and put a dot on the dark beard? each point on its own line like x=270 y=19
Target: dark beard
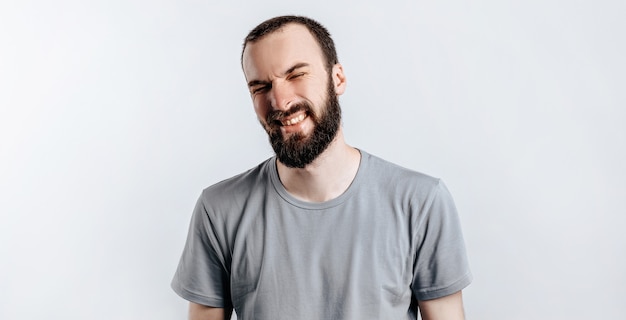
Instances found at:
x=298 y=151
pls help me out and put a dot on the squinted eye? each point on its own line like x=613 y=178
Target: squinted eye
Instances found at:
x=259 y=89
x=296 y=75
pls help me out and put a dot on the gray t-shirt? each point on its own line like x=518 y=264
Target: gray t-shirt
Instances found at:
x=392 y=237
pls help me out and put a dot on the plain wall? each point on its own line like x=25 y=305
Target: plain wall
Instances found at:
x=114 y=115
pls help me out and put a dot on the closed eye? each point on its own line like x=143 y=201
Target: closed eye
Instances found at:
x=296 y=75
x=260 y=89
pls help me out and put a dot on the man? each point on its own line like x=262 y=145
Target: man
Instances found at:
x=322 y=230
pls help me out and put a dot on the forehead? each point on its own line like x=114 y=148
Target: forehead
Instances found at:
x=281 y=49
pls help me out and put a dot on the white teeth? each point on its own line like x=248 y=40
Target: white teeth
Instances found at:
x=293 y=121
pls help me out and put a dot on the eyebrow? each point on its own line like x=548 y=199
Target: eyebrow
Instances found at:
x=288 y=71
x=296 y=66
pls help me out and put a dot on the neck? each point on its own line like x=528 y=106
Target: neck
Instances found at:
x=327 y=177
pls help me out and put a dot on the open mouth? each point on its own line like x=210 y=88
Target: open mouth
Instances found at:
x=293 y=120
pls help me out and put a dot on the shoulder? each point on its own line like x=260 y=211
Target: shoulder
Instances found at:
x=237 y=188
x=395 y=177
x=412 y=189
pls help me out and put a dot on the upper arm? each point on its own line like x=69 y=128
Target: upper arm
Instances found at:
x=445 y=308
x=441 y=267
x=200 y=312
x=201 y=275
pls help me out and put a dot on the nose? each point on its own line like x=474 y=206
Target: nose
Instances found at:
x=281 y=96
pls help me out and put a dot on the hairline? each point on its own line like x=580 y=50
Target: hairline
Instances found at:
x=328 y=64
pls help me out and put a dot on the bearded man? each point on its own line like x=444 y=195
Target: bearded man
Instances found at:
x=322 y=230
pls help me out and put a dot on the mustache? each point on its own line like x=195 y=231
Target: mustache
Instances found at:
x=276 y=116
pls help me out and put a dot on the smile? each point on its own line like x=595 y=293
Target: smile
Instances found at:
x=295 y=120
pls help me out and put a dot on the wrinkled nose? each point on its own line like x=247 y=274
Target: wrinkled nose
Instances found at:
x=281 y=96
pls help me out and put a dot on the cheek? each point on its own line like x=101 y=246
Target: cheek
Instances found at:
x=320 y=97
x=260 y=109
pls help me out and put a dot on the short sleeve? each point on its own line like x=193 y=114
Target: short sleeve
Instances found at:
x=201 y=276
x=441 y=266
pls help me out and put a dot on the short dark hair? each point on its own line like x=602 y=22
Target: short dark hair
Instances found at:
x=319 y=32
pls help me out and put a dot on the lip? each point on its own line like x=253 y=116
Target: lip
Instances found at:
x=294 y=119
x=290 y=121
x=299 y=125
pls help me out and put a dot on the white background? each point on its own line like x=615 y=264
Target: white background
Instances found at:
x=115 y=114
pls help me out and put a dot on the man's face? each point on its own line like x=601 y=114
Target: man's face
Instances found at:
x=294 y=95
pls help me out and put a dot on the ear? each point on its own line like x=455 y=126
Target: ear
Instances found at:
x=339 y=79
